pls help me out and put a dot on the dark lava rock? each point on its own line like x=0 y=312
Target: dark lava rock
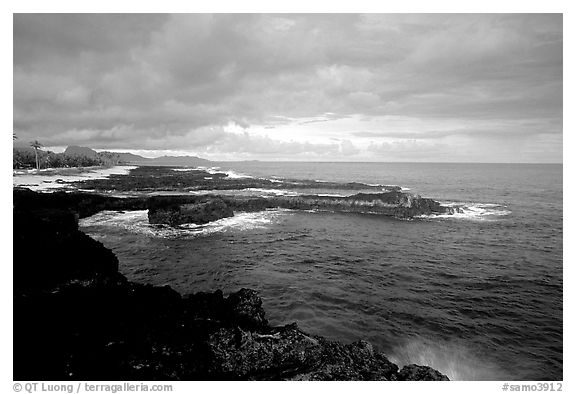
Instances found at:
x=199 y=212
x=394 y=204
x=200 y=209
x=155 y=178
x=291 y=354
x=418 y=372
x=77 y=318
x=84 y=204
x=247 y=309
x=49 y=250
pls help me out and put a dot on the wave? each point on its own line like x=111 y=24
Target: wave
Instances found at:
x=229 y=173
x=251 y=192
x=215 y=170
x=453 y=359
x=137 y=222
x=274 y=179
x=385 y=187
x=275 y=192
x=472 y=211
x=329 y=195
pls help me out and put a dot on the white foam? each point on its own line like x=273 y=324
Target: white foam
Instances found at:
x=404 y=189
x=211 y=191
x=472 y=211
x=137 y=222
x=236 y=175
x=383 y=187
x=246 y=192
x=215 y=170
x=330 y=195
x=453 y=359
x=275 y=192
x=184 y=169
x=43 y=181
x=229 y=173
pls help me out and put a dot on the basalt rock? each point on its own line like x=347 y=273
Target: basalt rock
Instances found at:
x=200 y=209
x=418 y=372
x=77 y=318
x=289 y=353
x=49 y=250
x=82 y=203
x=156 y=178
x=174 y=210
x=395 y=204
x=164 y=210
x=246 y=308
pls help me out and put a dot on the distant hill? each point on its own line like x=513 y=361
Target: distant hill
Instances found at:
x=85 y=155
x=26 y=157
x=177 y=161
x=80 y=151
x=130 y=158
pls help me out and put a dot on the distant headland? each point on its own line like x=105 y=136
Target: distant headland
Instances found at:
x=24 y=157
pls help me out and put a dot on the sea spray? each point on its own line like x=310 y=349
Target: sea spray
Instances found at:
x=454 y=359
x=137 y=222
x=479 y=212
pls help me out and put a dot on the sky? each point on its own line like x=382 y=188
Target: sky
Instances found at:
x=314 y=87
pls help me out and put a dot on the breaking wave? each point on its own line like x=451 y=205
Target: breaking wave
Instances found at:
x=258 y=192
x=229 y=173
x=137 y=222
x=385 y=187
x=214 y=170
x=472 y=211
x=452 y=359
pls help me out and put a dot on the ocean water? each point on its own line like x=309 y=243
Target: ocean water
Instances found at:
x=477 y=295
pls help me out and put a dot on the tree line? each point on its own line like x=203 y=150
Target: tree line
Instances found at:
x=27 y=159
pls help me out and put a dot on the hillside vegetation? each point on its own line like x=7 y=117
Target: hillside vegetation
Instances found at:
x=24 y=158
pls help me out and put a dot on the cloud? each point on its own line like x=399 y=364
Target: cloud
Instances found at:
x=290 y=81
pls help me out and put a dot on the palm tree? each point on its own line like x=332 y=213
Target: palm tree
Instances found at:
x=36 y=145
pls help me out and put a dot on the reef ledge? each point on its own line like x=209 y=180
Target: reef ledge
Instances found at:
x=77 y=318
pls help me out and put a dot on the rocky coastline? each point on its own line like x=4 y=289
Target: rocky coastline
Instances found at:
x=158 y=178
x=76 y=317
x=200 y=209
x=173 y=210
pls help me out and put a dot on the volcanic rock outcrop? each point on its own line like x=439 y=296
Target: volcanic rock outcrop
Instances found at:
x=199 y=212
x=175 y=210
x=156 y=178
x=395 y=204
x=77 y=318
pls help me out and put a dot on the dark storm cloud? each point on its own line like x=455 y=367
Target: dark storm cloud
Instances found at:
x=41 y=35
x=176 y=81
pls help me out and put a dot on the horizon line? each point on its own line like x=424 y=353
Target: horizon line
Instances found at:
x=116 y=150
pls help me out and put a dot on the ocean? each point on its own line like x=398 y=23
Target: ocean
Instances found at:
x=476 y=295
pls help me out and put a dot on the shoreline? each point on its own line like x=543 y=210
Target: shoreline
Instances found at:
x=51 y=179
x=122 y=330
x=61 y=170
